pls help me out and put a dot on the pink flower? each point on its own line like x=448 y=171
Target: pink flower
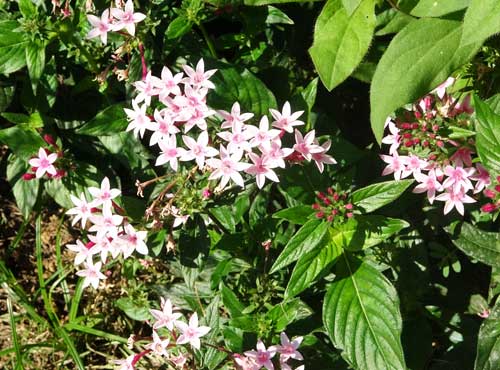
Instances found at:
x=261 y=169
x=482 y=176
x=414 y=164
x=245 y=363
x=275 y=153
x=158 y=346
x=169 y=152
x=396 y=165
x=105 y=224
x=166 y=317
x=91 y=274
x=235 y=118
x=198 y=149
x=105 y=246
x=199 y=78
x=147 y=89
x=288 y=349
x=262 y=134
x=138 y=119
x=101 y=26
x=132 y=241
x=162 y=127
x=322 y=158
x=44 y=163
x=262 y=356
x=228 y=167
x=191 y=332
x=394 y=139
x=458 y=178
x=429 y=184
x=127 y=364
x=441 y=89
x=82 y=252
x=285 y=120
x=305 y=145
x=82 y=210
x=126 y=18
x=179 y=360
x=237 y=138
x=462 y=157
x=454 y=199
x=169 y=83
x=104 y=194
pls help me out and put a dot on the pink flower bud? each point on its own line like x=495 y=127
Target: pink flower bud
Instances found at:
x=329 y=218
x=330 y=191
x=206 y=193
x=320 y=214
x=89 y=245
x=335 y=212
x=28 y=176
x=418 y=115
x=425 y=143
x=435 y=127
x=414 y=126
x=439 y=143
x=348 y=206
x=488 y=208
x=316 y=206
x=489 y=193
x=349 y=214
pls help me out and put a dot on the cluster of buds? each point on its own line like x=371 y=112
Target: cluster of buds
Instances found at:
x=109 y=232
x=493 y=194
x=172 y=332
x=445 y=167
x=114 y=20
x=334 y=206
x=44 y=164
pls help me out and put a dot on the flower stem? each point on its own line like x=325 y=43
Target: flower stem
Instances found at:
x=208 y=40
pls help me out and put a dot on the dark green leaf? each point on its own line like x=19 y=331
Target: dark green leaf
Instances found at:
x=418 y=59
x=225 y=216
x=487 y=136
x=276 y=16
x=437 y=8
x=108 y=122
x=285 y=313
x=24 y=143
x=266 y=2
x=481 y=21
x=341 y=41
x=133 y=310
x=374 y=196
x=488 y=343
x=12 y=46
x=178 y=27
x=231 y=302
x=310 y=236
x=481 y=245
x=243 y=87
x=25 y=192
x=361 y=315
x=35 y=60
x=297 y=215
x=310 y=266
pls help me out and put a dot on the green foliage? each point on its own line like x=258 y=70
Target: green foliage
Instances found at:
x=480 y=245
x=12 y=47
x=438 y=8
x=488 y=136
x=488 y=341
x=372 y=197
x=481 y=21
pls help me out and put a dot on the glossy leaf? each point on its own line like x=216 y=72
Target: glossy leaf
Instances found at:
x=12 y=47
x=487 y=136
x=481 y=21
x=27 y=8
x=366 y=231
x=437 y=8
x=481 y=245
x=108 y=122
x=488 y=343
x=35 y=61
x=297 y=215
x=361 y=315
x=178 y=27
x=24 y=143
x=267 y=2
x=310 y=236
x=341 y=41
x=372 y=197
x=233 y=85
x=25 y=192
x=418 y=59
x=350 y=5
x=310 y=266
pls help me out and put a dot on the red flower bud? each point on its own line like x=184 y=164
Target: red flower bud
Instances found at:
x=49 y=139
x=425 y=143
x=408 y=143
x=488 y=208
x=330 y=191
x=489 y=193
x=407 y=135
x=349 y=214
x=416 y=141
x=414 y=126
x=329 y=218
x=28 y=176
x=405 y=126
x=497 y=188
x=89 y=245
x=316 y=206
x=418 y=115
x=320 y=215
x=439 y=143
x=348 y=206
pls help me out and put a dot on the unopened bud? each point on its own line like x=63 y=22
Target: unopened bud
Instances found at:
x=489 y=193
x=49 y=139
x=349 y=214
x=206 y=193
x=320 y=214
x=348 y=206
x=488 y=208
x=28 y=176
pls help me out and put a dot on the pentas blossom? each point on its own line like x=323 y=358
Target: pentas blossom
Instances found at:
x=191 y=333
x=165 y=317
x=445 y=168
x=108 y=233
x=286 y=120
x=44 y=163
x=262 y=356
x=114 y=19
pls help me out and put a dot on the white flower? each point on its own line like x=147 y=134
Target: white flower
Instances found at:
x=44 y=163
x=133 y=241
x=227 y=167
x=261 y=168
x=82 y=252
x=91 y=273
x=138 y=119
x=159 y=346
x=104 y=194
x=198 y=149
x=199 y=78
x=169 y=152
x=262 y=356
x=101 y=26
x=166 y=317
x=285 y=120
x=126 y=18
x=82 y=210
x=191 y=333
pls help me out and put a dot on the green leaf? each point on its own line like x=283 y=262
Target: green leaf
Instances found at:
x=24 y=143
x=231 y=302
x=35 y=60
x=276 y=16
x=372 y=197
x=310 y=266
x=133 y=310
x=396 y=24
x=350 y=5
x=297 y=215
x=233 y=85
x=418 y=59
x=488 y=343
x=25 y=192
x=341 y=41
x=481 y=21
x=12 y=46
x=225 y=216
x=361 y=315
x=366 y=231
x=487 y=136
x=437 y=8
x=285 y=313
x=178 y=27
x=267 y=2
x=309 y=237
x=108 y=122
x=481 y=245
x=27 y=8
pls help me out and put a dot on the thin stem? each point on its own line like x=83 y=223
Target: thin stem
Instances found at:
x=208 y=40
x=396 y=7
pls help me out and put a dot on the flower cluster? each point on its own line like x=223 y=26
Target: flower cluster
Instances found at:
x=333 y=206
x=171 y=331
x=262 y=357
x=44 y=164
x=493 y=196
x=182 y=116
x=114 y=19
x=109 y=233
x=431 y=142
